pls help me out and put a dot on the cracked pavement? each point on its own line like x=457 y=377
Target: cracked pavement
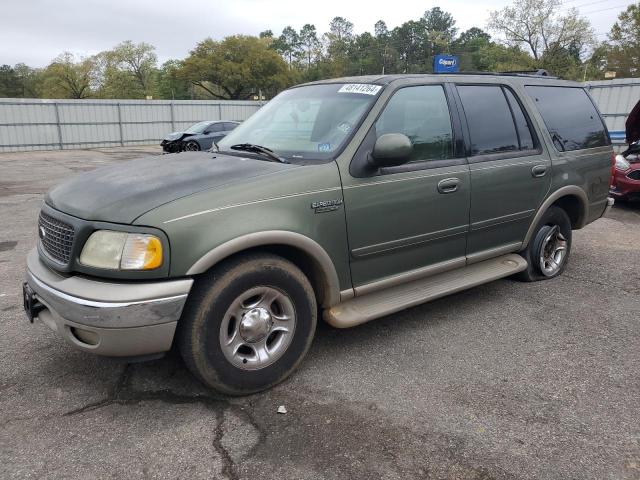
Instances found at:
x=507 y=380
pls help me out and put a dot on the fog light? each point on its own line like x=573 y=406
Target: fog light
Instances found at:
x=85 y=336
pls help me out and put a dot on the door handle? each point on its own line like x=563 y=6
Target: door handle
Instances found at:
x=539 y=170
x=448 y=185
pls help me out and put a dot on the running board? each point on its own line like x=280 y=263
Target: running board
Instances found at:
x=391 y=300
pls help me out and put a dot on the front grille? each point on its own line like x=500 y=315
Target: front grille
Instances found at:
x=56 y=237
x=635 y=175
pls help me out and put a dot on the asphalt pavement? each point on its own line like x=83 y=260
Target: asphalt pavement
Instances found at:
x=507 y=380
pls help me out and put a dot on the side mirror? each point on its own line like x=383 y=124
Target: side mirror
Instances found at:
x=390 y=150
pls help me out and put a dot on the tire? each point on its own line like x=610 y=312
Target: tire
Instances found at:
x=192 y=146
x=548 y=251
x=234 y=334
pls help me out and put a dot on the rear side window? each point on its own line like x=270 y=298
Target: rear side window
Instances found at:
x=422 y=114
x=570 y=117
x=489 y=118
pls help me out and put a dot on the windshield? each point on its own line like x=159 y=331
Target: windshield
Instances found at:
x=307 y=123
x=198 y=127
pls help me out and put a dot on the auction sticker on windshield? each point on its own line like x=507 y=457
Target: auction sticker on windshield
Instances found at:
x=363 y=88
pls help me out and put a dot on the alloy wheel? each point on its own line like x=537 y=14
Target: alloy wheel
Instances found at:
x=257 y=328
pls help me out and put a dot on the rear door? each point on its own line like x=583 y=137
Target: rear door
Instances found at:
x=509 y=170
x=411 y=219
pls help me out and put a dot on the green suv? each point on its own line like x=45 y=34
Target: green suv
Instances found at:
x=349 y=199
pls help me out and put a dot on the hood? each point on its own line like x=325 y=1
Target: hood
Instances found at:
x=174 y=136
x=121 y=193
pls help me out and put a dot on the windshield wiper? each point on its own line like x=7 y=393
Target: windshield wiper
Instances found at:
x=267 y=152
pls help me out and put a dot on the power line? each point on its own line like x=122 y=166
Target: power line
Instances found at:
x=589 y=3
x=604 y=9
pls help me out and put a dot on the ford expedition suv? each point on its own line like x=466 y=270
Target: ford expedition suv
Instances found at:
x=345 y=199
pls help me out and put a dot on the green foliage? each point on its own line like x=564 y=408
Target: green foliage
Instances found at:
x=235 y=68
x=20 y=81
x=542 y=27
x=623 y=54
x=536 y=33
x=128 y=71
x=69 y=77
x=170 y=83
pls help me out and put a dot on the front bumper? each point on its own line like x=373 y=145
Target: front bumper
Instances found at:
x=625 y=187
x=171 y=146
x=108 y=318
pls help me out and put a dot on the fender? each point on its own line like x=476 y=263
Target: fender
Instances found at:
x=276 y=237
x=569 y=190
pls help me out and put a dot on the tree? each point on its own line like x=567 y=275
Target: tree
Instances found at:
x=468 y=47
x=440 y=26
x=235 y=68
x=380 y=30
x=309 y=42
x=288 y=44
x=129 y=70
x=367 y=59
x=408 y=41
x=624 y=43
x=341 y=29
x=472 y=37
x=540 y=26
x=494 y=57
x=68 y=77
x=171 y=85
x=19 y=81
x=338 y=41
x=29 y=79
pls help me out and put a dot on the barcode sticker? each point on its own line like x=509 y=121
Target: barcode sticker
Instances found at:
x=364 y=88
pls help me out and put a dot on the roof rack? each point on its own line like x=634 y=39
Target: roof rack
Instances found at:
x=540 y=72
x=513 y=73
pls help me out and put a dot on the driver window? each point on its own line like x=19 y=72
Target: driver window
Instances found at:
x=422 y=114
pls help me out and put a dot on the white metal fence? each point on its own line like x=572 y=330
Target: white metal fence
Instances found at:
x=33 y=124
x=616 y=99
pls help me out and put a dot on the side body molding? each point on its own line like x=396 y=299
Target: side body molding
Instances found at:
x=277 y=237
x=569 y=190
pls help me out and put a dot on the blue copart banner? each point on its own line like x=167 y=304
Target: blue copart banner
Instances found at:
x=445 y=64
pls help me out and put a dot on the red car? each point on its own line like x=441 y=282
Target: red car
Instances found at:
x=625 y=181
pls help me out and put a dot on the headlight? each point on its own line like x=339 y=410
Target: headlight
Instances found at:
x=122 y=251
x=622 y=164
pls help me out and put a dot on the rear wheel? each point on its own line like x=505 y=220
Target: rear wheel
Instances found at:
x=248 y=324
x=548 y=251
x=192 y=146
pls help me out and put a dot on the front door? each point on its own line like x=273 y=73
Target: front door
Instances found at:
x=510 y=173
x=409 y=220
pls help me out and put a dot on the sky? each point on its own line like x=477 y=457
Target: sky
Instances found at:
x=36 y=31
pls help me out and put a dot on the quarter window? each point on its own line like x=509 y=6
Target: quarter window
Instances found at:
x=570 y=117
x=422 y=114
x=524 y=130
x=489 y=118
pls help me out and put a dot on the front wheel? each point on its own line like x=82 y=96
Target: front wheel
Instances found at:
x=248 y=324
x=192 y=146
x=548 y=251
